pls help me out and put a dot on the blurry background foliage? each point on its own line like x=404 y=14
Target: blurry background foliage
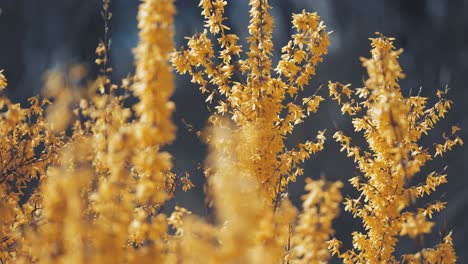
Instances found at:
x=50 y=34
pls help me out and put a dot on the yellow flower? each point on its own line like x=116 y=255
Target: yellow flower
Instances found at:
x=392 y=126
x=3 y=81
x=245 y=87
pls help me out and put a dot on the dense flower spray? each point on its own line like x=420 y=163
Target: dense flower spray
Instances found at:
x=104 y=180
x=28 y=146
x=250 y=166
x=247 y=231
x=248 y=90
x=314 y=226
x=392 y=126
x=113 y=177
x=154 y=85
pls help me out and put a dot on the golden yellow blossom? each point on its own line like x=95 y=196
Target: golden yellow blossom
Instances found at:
x=253 y=93
x=101 y=181
x=249 y=165
x=113 y=178
x=154 y=86
x=321 y=206
x=3 y=81
x=27 y=149
x=392 y=126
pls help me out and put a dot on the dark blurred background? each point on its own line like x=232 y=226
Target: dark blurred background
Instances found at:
x=37 y=36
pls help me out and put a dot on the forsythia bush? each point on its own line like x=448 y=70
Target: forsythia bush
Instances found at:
x=392 y=126
x=87 y=181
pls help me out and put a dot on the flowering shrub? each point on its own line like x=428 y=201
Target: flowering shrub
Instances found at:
x=255 y=98
x=104 y=178
x=392 y=126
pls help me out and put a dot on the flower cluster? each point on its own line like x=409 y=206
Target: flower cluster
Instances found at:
x=247 y=231
x=84 y=177
x=392 y=125
x=28 y=146
x=112 y=178
x=254 y=94
x=249 y=165
x=314 y=227
x=154 y=86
